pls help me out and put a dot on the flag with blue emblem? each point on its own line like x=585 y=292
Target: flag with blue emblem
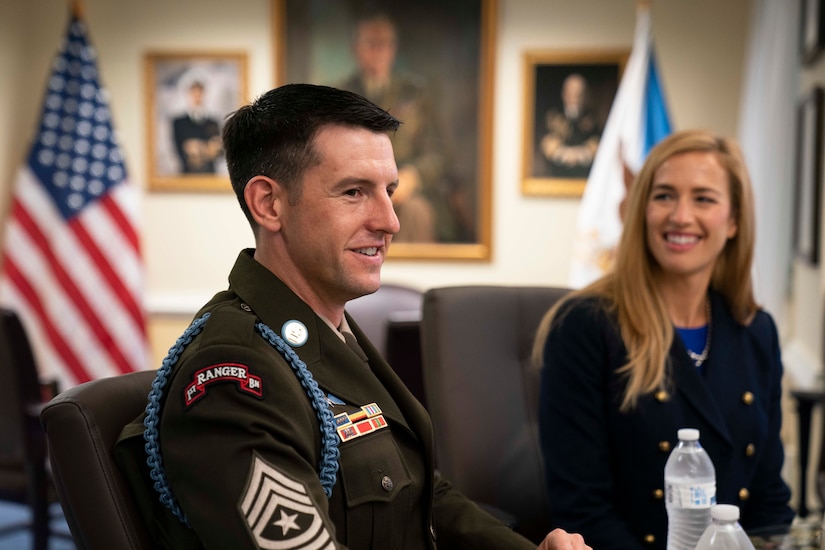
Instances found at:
x=638 y=120
x=71 y=261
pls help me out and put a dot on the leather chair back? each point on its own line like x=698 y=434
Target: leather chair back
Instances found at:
x=82 y=425
x=482 y=394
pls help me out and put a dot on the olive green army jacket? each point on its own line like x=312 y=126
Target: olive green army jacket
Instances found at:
x=242 y=443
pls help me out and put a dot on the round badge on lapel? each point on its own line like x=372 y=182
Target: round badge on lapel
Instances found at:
x=295 y=333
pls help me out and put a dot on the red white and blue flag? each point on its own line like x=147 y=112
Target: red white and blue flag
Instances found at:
x=71 y=261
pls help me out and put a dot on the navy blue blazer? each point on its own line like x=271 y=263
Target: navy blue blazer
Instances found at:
x=605 y=468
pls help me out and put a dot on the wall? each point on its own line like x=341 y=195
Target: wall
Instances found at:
x=191 y=240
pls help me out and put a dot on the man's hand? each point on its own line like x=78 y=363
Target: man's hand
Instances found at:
x=559 y=539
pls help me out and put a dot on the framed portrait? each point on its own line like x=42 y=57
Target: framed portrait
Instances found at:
x=188 y=96
x=812 y=33
x=430 y=64
x=809 y=176
x=568 y=95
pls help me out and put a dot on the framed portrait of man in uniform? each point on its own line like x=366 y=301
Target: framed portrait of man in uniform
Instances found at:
x=430 y=64
x=568 y=96
x=188 y=95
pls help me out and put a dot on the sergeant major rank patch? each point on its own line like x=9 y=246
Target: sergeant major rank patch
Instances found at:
x=279 y=512
x=222 y=372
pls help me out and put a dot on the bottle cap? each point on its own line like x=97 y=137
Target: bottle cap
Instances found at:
x=688 y=434
x=724 y=512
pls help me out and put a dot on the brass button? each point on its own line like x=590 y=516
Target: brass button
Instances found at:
x=744 y=494
x=650 y=539
x=747 y=398
x=658 y=494
x=664 y=446
x=662 y=396
x=750 y=450
x=387 y=484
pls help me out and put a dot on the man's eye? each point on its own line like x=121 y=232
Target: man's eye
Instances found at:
x=351 y=192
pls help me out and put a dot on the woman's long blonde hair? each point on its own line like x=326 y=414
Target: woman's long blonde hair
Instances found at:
x=629 y=289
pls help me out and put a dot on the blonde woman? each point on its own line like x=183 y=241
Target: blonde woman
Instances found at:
x=671 y=338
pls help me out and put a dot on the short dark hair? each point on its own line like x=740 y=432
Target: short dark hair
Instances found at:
x=273 y=136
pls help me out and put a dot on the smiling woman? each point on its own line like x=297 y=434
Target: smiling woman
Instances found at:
x=672 y=338
x=689 y=221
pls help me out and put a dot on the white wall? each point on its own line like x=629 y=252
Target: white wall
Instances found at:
x=191 y=240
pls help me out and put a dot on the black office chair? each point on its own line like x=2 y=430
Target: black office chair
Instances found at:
x=24 y=476
x=82 y=425
x=482 y=393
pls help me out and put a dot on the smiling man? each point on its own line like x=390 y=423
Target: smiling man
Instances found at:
x=269 y=426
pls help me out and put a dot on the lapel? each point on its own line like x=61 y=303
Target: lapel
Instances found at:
x=334 y=366
x=411 y=412
x=703 y=394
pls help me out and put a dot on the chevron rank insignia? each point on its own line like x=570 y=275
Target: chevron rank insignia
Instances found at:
x=363 y=421
x=279 y=512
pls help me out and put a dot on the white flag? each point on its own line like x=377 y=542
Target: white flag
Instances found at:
x=638 y=120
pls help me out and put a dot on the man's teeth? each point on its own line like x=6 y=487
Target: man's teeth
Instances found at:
x=681 y=239
x=371 y=251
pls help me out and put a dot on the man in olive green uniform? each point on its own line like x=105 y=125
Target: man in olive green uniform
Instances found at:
x=269 y=426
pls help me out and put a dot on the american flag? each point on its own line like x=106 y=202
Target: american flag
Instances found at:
x=71 y=265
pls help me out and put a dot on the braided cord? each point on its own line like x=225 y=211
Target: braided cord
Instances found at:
x=328 y=468
x=150 y=434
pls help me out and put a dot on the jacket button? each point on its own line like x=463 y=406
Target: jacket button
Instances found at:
x=658 y=494
x=747 y=398
x=662 y=396
x=744 y=494
x=664 y=446
x=750 y=450
x=650 y=539
x=387 y=484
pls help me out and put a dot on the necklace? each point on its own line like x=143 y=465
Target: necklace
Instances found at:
x=699 y=358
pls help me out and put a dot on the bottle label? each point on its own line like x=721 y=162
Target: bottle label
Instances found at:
x=692 y=495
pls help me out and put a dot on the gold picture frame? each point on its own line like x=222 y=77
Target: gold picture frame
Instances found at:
x=567 y=98
x=188 y=96
x=315 y=42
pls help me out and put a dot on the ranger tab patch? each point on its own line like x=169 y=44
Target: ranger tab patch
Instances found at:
x=279 y=512
x=222 y=372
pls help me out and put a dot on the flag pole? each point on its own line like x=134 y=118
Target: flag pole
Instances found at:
x=76 y=8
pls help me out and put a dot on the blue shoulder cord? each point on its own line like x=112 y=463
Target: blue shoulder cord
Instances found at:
x=329 y=439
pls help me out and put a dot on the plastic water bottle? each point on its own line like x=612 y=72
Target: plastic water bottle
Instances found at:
x=690 y=491
x=724 y=532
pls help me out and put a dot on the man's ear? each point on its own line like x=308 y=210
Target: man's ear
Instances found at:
x=264 y=197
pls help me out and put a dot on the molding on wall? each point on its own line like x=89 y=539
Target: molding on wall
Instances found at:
x=175 y=303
